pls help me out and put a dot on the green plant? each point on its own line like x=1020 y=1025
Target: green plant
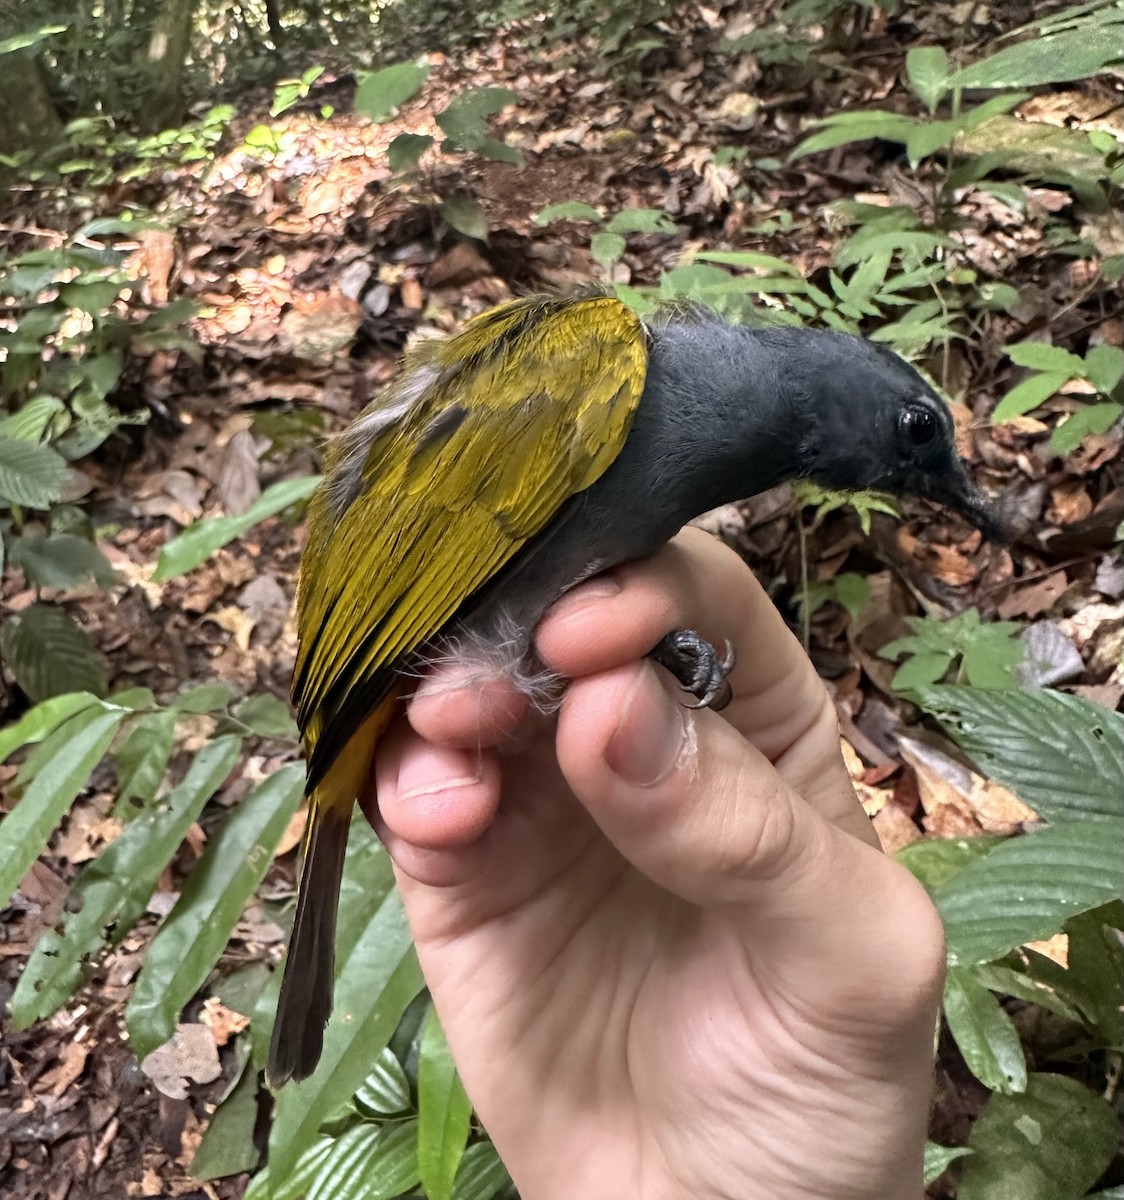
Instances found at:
x=609 y=243
x=1065 y=757
x=985 y=655
x=1053 y=368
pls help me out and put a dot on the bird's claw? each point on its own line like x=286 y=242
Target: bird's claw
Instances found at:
x=698 y=667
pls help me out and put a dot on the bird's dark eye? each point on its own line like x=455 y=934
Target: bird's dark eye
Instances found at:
x=919 y=425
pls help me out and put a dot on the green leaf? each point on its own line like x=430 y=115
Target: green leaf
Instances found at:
x=927 y=70
x=61 y=560
x=25 y=830
x=377 y=977
x=841 y=129
x=228 y=1145
x=1050 y=1143
x=30 y=475
x=750 y=259
x=641 y=220
x=110 y=894
x=369 y=1162
x=1104 y=367
x=267 y=716
x=199 y=541
x=568 y=210
x=1027 y=395
x=203 y=698
x=386 y=1090
x=44 y=719
x=606 y=249
x=1041 y=356
x=381 y=92
x=142 y=761
x=444 y=1112
x=196 y=931
x=93 y=296
x=294 y=1184
x=465 y=120
x=1074 y=54
x=924 y=668
x=986 y=1035
x=32 y=420
x=1029 y=887
x=938 y=1159
x=1091 y=418
x=481 y=1173
x=465 y=215
x=498 y=151
x=935 y=862
x=1060 y=754
x=929 y=138
x=48 y=654
x=23 y=41
x=404 y=153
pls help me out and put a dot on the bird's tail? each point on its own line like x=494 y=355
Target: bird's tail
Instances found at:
x=305 y=1002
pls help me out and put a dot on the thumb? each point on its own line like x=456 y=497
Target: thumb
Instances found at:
x=691 y=803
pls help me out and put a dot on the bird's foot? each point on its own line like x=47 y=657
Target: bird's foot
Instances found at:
x=698 y=667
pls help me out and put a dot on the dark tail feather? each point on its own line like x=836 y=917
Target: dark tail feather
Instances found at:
x=306 y=986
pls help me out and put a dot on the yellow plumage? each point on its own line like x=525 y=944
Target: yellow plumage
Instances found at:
x=434 y=488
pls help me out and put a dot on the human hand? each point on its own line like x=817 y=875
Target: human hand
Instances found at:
x=668 y=958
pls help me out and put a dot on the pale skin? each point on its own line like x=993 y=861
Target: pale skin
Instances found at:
x=670 y=960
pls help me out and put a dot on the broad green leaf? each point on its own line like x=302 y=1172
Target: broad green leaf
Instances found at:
x=567 y=210
x=929 y=138
x=266 y=715
x=91 y=296
x=377 y=976
x=404 y=153
x=196 y=931
x=381 y=92
x=368 y=1162
x=1091 y=418
x=641 y=220
x=1060 y=754
x=907 y=244
x=1060 y=58
x=32 y=421
x=1027 y=395
x=1052 y=1142
x=1104 y=367
x=481 y=1173
x=203 y=698
x=927 y=70
x=498 y=151
x=986 y=1035
x=199 y=541
x=465 y=215
x=938 y=1158
x=43 y=719
x=113 y=889
x=1041 y=356
x=25 y=830
x=386 y=1090
x=1006 y=981
x=444 y=1112
x=606 y=248
x=30 y=475
x=1029 y=887
x=228 y=1145
x=924 y=668
x=841 y=129
x=465 y=119
x=142 y=761
x=49 y=655
x=61 y=560
x=936 y=861
x=294 y=1184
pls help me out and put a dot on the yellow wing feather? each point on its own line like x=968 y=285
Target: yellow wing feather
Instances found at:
x=488 y=434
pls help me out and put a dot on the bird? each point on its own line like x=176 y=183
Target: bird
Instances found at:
x=552 y=438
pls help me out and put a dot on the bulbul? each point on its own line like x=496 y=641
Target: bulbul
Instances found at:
x=551 y=439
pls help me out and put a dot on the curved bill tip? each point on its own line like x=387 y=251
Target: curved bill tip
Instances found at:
x=957 y=492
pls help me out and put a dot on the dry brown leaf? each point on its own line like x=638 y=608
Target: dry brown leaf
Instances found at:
x=223 y=1022
x=1034 y=599
x=190 y=1056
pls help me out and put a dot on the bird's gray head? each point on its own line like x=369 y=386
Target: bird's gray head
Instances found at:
x=871 y=421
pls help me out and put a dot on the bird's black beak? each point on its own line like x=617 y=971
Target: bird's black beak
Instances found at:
x=954 y=490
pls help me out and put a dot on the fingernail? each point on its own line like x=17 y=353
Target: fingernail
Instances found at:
x=437 y=770
x=650 y=733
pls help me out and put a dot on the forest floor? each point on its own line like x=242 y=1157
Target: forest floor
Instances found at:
x=314 y=272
